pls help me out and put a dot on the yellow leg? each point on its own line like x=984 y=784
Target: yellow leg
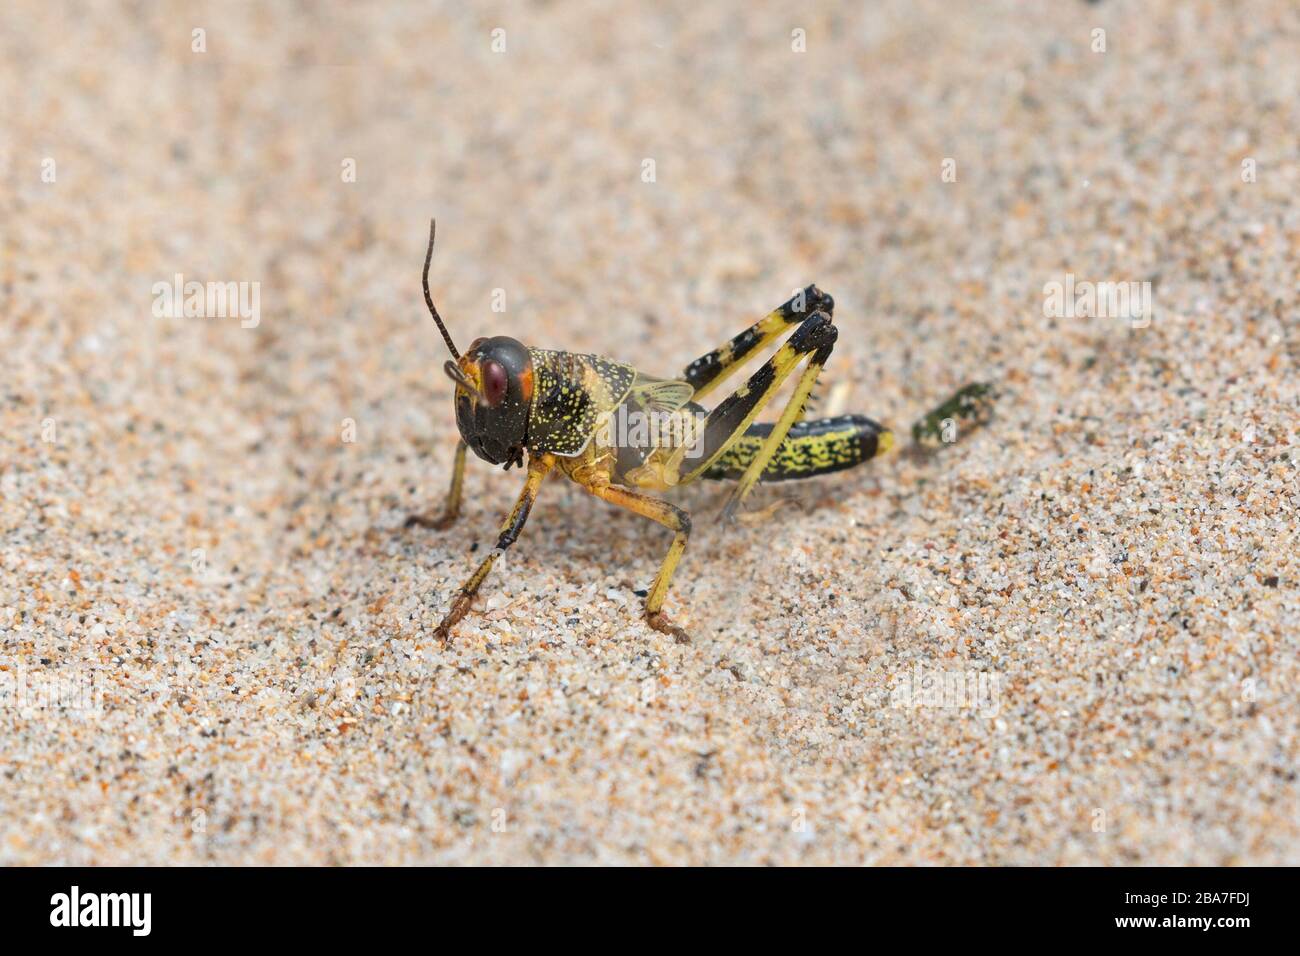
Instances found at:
x=727 y=423
x=793 y=410
x=538 y=469
x=451 y=507
x=670 y=516
x=709 y=371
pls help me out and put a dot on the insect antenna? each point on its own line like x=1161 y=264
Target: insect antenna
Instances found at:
x=428 y=299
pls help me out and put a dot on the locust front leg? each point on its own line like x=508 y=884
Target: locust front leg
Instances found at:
x=538 y=469
x=451 y=507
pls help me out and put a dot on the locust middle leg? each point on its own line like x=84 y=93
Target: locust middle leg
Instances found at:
x=592 y=474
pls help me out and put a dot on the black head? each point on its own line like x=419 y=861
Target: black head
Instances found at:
x=494 y=390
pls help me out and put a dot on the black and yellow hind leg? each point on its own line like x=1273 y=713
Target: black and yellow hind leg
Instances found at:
x=813 y=341
x=792 y=412
x=709 y=371
x=538 y=469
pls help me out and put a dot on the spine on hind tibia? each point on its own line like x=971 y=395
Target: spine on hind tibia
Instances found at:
x=810 y=448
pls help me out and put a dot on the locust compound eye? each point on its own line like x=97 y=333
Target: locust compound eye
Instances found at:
x=495 y=381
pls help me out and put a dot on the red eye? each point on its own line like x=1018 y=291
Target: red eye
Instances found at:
x=495 y=381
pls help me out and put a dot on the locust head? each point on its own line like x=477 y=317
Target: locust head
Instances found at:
x=494 y=388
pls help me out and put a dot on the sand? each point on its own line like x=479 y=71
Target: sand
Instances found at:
x=1069 y=637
